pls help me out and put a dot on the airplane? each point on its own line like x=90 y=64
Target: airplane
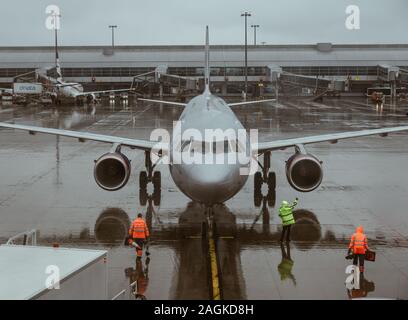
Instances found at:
x=71 y=90
x=208 y=184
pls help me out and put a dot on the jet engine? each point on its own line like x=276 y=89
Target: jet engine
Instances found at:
x=304 y=172
x=112 y=171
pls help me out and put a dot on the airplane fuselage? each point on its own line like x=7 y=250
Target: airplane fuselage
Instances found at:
x=69 y=90
x=208 y=182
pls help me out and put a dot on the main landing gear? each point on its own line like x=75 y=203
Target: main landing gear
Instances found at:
x=265 y=177
x=149 y=176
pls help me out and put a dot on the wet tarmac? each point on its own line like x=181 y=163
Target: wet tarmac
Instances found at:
x=47 y=184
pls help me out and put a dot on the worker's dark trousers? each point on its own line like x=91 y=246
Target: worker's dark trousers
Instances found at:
x=358 y=259
x=140 y=242
x=286 y=229
x=285 y=253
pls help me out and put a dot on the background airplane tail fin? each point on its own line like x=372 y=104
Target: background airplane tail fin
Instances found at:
x=57 y=63
x=207 y=61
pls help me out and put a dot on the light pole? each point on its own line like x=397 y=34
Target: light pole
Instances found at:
x=254 y=26
x=113 y=35
x=246 y=15
x=56 y=18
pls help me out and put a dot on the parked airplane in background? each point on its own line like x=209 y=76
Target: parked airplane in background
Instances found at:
x=61 y=90
x=208 y=183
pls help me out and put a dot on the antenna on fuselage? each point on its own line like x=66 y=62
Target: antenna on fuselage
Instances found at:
x=207 y=62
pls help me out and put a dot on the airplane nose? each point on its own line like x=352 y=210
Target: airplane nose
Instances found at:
x=210 y=175
x=214 y=183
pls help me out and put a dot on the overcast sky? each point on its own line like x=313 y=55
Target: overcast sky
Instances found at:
x=85 y=22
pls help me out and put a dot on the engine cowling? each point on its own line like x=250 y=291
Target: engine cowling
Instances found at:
x=304 y=172
x=112 y=171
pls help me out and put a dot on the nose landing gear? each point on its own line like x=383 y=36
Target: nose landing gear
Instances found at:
x=265 y=177
x=149 y=176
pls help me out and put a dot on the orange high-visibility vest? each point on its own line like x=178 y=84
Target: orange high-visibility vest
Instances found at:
x=358 y=243
x=138 y=229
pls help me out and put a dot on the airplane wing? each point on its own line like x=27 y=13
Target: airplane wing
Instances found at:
x=249 y=102
x=146 y=145
x=103 y=91
x=173 y=103
x=184 y=104
x=332 y=138
x=61 y=85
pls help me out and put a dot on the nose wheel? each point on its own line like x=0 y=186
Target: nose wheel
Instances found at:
x=146 y=177
x=268 y=177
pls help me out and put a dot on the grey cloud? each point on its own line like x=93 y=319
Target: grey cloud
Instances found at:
x=182 y=21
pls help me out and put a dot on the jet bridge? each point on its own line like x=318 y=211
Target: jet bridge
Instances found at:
x=390 y=75
x=301 y=84
x=159 y=77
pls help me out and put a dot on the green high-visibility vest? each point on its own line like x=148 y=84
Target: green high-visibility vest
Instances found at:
x=286 y=214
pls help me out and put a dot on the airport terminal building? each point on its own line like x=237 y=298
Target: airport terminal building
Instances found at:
x=107 y=66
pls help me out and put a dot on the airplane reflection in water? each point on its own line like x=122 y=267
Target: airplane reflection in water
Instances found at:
x=191 y=278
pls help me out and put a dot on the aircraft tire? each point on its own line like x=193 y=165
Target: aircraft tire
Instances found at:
x=257 y=182
x=157 y=181
x=142 y=197
x=272 y=181
x=157 y=197
x=257 y=199
x=271 y=197
x=143 y=180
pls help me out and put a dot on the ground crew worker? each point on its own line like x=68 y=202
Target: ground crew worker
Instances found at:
x=358 y=246
x=138 y=234
x=286 y=214
x=286 y=265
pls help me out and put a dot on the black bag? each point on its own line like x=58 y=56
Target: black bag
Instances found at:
x=370 y=255
x=127 y=240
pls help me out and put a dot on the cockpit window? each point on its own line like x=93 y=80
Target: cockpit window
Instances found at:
x=200 y=147
x=215 y=147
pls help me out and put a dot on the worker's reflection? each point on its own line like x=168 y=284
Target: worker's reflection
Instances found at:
x=286 y=265
x=139 y=278
x=366 y=286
